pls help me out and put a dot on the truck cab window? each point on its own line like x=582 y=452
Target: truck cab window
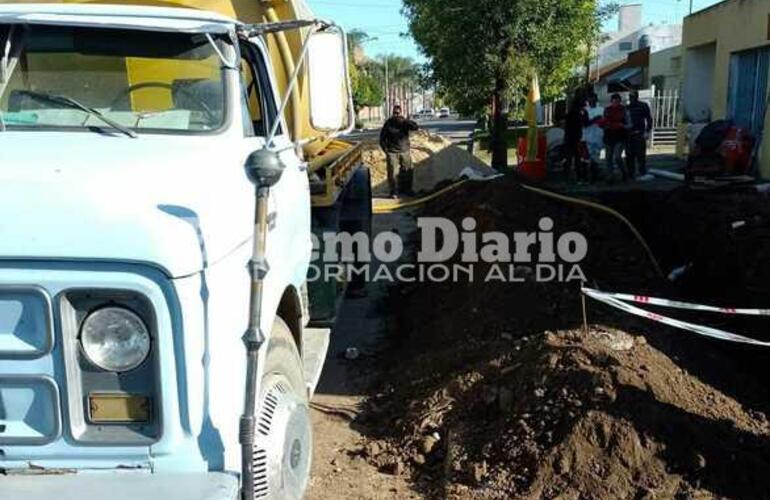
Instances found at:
x=256 y=89
x=253 y=99
x=62 y=76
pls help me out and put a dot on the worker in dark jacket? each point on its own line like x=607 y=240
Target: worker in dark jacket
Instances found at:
x=394 y=141
x=636 y=145
x=576 y=120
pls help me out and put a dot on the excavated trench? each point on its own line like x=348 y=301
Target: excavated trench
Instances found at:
x=495 y=390
x=717 y=242
x=715 y=247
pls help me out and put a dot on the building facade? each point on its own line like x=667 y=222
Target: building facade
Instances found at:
x=665 y=70
x=632 y=35
x=726 y=57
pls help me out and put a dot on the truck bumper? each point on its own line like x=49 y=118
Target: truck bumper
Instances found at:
x=120 y=486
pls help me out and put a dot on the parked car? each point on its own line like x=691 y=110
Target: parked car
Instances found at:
x=443 y=113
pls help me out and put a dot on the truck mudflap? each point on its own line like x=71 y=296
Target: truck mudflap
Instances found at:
x=121 y=485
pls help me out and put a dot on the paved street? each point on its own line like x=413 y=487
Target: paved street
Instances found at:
x=457 y=131
x=453 y=129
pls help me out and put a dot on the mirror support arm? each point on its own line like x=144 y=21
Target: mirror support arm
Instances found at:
x=351 y=108
x=9 y=56
x=290 y=89
x=283 y=26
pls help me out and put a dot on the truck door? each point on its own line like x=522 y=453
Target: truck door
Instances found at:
x=288 y=242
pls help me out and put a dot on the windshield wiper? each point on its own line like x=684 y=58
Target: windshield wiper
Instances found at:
x=72 y=103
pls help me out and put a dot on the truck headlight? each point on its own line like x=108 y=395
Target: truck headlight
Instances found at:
x=115 y=339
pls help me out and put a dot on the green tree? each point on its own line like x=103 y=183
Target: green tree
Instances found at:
x=404 y=78
x=484 y=51
x=368 y=77
x=367 y=90
x=357 y=38
x=364 y=74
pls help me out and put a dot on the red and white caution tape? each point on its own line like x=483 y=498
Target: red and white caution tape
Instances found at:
x=675 y=304
x=613 y=300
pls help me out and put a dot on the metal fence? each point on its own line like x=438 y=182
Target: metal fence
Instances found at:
x=665 y=117
x=548 y=112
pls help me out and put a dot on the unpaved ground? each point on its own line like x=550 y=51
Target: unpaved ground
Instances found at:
x=499 y=393
x=340 y=468
x=495 y=390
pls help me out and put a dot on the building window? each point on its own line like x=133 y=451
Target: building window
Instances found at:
x=676 y=64
x=626 y=46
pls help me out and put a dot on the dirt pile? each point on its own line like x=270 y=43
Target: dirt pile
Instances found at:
x=436 y=161
x=496 y=390
x=572 y=415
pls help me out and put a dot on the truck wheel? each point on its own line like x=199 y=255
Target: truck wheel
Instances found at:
x=283 y=438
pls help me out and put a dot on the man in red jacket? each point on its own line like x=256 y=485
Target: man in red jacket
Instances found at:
x=616 y=124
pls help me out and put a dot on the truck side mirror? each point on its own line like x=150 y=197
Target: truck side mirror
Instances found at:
x=264 y=168
x=330 y=96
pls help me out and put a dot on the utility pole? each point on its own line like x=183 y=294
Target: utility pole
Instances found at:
x=691 y=5
x=387 y=88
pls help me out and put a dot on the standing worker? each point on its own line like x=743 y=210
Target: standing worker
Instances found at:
x=593 y=134
x=641 y=125
x=616 y=123
x=394 y=141
x=576 y=119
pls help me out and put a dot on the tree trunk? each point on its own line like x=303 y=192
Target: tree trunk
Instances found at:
x=499 y=132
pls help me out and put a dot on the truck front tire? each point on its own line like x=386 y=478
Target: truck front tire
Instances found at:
x=283 y=438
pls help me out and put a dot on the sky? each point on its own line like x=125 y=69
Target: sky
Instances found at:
x=382 y=20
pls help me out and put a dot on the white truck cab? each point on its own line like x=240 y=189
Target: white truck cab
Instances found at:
x=127 y=236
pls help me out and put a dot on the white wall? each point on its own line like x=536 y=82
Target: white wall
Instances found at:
x=698 y=83
x=660 y=37
x=630 y=17
x=667 y=65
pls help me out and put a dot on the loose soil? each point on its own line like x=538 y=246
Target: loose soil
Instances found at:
x=436 y=161
x=721 y=235
x=496 y=390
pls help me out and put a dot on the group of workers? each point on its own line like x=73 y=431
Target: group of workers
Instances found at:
x=618 y=128
x=589 y=129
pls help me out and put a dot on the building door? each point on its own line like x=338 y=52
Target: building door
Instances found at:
x=747 y=94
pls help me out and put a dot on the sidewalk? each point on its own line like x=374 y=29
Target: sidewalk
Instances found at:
x=658 y=161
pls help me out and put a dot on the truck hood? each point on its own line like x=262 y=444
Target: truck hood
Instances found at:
x=177 y=203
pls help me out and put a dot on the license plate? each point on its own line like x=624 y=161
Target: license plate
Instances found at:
x=114 y=408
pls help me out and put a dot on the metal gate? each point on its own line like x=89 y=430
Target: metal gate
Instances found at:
x=665 y=117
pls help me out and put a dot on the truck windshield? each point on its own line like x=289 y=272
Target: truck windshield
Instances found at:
x=121 y=80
